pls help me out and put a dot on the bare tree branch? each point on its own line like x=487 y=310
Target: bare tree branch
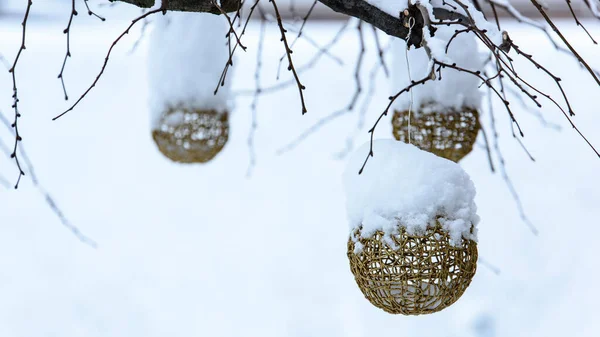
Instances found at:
x=338 y=113
x=145 y=24
x=68 y=53
x=48 y=198
x=229 y=62
x=133 y=22
x=15 y=105
x=431 y=76
x=207 y=6
x=289 y=52
x=90 y=12
x=257 y=92
x=539 y=7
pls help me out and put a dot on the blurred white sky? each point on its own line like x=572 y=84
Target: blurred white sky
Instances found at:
x=205 y=251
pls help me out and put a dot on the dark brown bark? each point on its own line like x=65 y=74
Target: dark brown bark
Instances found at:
x=361 y=9
x=191 y=5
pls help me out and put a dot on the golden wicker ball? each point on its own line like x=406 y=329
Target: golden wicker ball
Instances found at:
x=449 y=135
x=422 y=274
x=191 y=135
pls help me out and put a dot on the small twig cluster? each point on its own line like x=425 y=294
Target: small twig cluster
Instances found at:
x=15 y=96
x=67 y=31
x=48 y=198
x=289 y=52
x=162 y=9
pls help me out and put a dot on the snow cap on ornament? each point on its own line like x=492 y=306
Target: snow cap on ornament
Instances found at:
x=187 y=52
x=413 y=228
x=444 y=117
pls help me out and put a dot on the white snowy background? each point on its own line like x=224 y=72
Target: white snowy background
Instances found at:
x=206 y=251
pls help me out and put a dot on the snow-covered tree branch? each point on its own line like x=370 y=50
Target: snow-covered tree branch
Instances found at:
x=208 y=6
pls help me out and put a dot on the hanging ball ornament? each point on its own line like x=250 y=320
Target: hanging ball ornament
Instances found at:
x=448 y=134
x=189 y=121
x=412 y=274
x=413 y=227
x=441 y=115
x=191 y=135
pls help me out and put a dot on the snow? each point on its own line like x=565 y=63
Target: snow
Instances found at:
x=439 y=96
x=403 y=186
x=455 y=90
x=205 y=251
x=392 y=7
x=187 y=53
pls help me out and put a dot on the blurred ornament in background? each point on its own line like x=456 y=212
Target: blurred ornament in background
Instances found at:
x=186 y=55
x=413 y=228
x=191 y=136
x=450 y=134
x=440 y=116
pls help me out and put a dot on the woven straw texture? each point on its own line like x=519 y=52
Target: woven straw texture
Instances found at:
x=196 y=136
x=422 y=275
x=450 y=135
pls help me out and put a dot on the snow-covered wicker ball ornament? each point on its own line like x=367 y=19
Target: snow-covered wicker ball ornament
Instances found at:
x=413 y=227
x=444 y=118
x=188 y=120
x=449 y=134
x=415 y=274
x=191 y=135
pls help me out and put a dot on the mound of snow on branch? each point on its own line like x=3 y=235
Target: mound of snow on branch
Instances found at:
x=405 y=186
x=186 y=56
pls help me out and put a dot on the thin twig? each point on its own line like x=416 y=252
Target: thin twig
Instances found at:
x=489 y=266
x=145 y=24
x=68 y=53
x=4 y=62
x=4 y=182
x=487 y=149
x=289 y=56
x=232 y=50
x=321 y=49
x=362 y=112
x=546 y=29
x=557 y=80
x=231 y=23
x=380 y=51
x=593 y=6
x=345 y=110
x=90 y=12
x=579 y=23
x=50 y=201
x=429 y=77
x=305 y=67
x=534 y=111
x=304 y=20
x=505 y=176
x=15 y=105
x=141 y=17
x=540 y=9
x=254 y=104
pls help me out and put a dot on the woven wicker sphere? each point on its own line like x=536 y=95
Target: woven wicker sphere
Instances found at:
x=423 y=274
x=450 y=135
x=191 y=135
